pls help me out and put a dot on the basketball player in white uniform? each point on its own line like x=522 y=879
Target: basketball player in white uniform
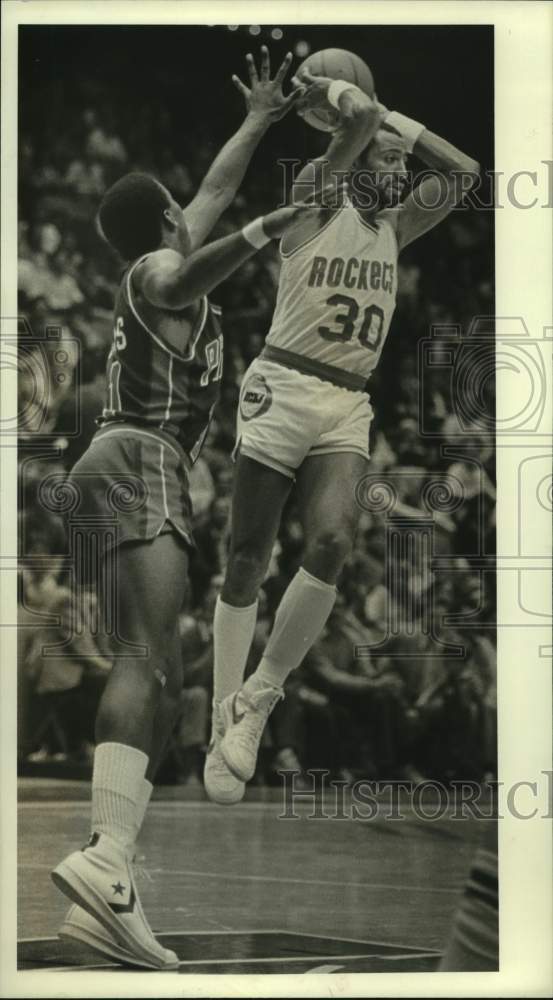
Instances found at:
x=304 y=413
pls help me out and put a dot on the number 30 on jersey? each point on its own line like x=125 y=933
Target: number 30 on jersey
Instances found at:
x=370 y=331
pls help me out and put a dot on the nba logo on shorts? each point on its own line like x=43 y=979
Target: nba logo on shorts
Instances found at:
x=256 y=397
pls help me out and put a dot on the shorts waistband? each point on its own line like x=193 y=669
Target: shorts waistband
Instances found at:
x=155 y=433
x=309 y=366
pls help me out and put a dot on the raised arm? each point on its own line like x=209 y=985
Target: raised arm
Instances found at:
x=170 y=281
x=437 y=195
x=358 y=120
x=266 y=104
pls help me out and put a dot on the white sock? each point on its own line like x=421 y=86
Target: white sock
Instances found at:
x=144 y=796
x=117 y=789
x=233 y=630
x=300 y=619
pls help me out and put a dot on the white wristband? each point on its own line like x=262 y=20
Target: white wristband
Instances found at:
x=336 y=88
x=408 y=128
x=255 y=234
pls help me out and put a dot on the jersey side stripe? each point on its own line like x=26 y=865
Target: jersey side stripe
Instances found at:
x=169 y=391
x=163 y=484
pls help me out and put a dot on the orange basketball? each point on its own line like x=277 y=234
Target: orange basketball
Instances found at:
x=338 y=64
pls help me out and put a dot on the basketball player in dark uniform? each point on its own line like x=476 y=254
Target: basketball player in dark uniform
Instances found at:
x=163 y=375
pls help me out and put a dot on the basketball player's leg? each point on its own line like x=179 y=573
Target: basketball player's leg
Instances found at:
x=259 y=495
x=329 y=511
x=134 y=720
x=275 y=428
x=330 y=515
x=278 y=420
x=325 y=490
x=141 y=697
x=151 y=586
x=167 y=709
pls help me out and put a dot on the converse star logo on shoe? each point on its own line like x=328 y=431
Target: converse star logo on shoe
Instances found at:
x=123 y=907
x=118 y=889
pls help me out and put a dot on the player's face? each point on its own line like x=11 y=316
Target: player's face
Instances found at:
x=386 y=157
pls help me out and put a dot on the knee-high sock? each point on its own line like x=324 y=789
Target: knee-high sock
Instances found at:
x=117 y=788
x=300 y=619
x=233 y=630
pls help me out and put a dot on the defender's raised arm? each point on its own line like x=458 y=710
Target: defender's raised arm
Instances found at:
x=170 y=281
x=265 y=104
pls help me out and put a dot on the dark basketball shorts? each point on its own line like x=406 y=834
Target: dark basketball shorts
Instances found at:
x=131 y=484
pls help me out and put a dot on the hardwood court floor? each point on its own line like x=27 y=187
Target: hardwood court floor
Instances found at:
x=240 y=889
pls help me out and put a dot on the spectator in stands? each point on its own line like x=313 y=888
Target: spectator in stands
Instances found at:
x=64 y=668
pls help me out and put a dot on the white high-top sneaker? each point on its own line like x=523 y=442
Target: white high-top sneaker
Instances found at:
x=220 y=784
x=244 y=717
x=100 y=879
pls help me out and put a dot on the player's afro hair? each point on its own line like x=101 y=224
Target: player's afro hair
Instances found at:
x=130 y=215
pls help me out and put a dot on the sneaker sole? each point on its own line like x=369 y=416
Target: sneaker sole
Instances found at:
x=224 y=798
x=111 y=950
x=214 y=792
x=71 y=883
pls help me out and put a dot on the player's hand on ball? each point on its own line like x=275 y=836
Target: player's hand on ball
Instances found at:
x=313 y=91
x=315 y=99
x=264 y=97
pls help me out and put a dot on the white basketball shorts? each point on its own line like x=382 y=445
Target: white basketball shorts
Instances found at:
x=284 y=416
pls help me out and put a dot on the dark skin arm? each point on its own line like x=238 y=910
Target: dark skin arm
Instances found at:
x=358 y=120
x=265 y=104
x=168 y=280
x=456 y=173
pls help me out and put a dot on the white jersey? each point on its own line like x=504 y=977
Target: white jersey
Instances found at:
x=337 y=293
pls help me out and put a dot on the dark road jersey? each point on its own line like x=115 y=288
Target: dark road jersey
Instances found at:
x=151 y=383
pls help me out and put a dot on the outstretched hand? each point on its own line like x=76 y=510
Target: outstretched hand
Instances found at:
x=264 y=97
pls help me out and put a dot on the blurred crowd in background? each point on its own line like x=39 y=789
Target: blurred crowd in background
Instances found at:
x=408 y=707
